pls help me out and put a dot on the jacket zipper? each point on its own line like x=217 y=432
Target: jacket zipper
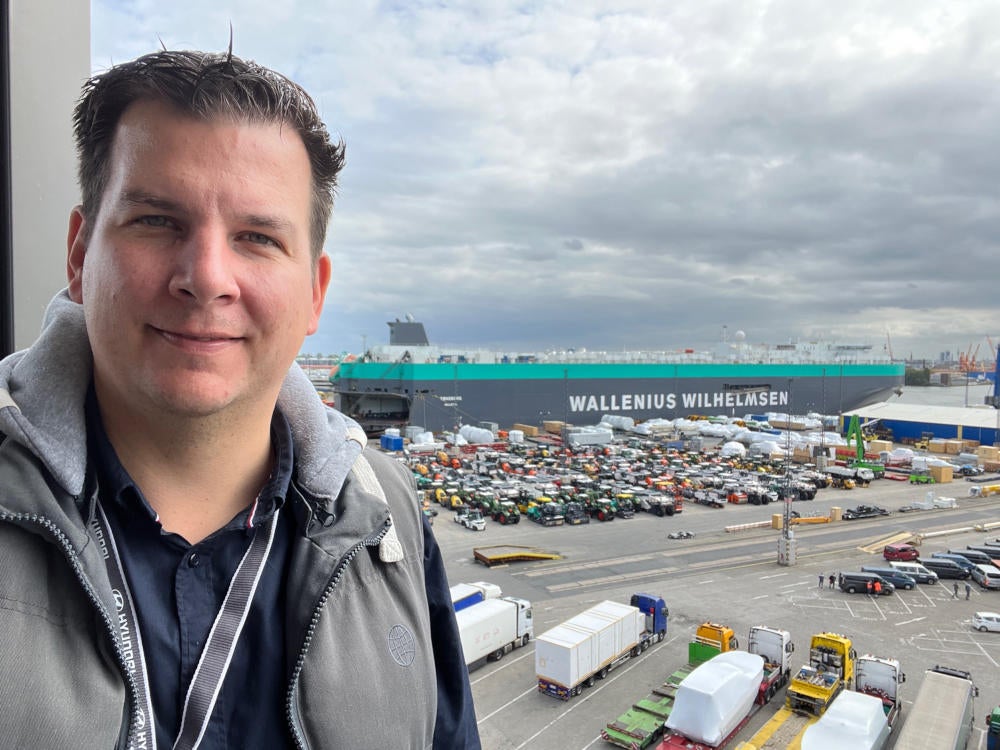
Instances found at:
x=372 y=541
x=71 y=557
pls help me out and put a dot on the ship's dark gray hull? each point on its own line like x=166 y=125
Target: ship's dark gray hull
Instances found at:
x=442 y=404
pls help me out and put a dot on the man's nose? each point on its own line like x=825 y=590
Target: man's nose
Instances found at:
x=204 y=267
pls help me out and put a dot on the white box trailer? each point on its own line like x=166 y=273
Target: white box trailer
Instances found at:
x=587 y=646
x=492 y=627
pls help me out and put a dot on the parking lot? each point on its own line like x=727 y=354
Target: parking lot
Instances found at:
x=731 y=578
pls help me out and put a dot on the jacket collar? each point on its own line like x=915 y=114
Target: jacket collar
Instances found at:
x=43 y=392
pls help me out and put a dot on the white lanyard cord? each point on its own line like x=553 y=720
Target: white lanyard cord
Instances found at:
x=219 y=647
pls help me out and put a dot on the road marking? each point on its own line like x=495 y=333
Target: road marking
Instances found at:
x=507 y=663
x=776 y=575
x=591 y=693
x=762 y=596
x=915 y=619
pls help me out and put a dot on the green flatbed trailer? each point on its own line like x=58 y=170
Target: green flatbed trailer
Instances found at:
x=643 y=724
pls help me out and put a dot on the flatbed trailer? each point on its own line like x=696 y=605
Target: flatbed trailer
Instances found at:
x=782 y=731
x=501 y=554
x=642 y=725
x=680 y=742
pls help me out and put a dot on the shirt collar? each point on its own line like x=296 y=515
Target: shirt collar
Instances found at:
x=118 y=486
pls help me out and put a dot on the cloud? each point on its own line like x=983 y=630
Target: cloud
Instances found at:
x=639 y=174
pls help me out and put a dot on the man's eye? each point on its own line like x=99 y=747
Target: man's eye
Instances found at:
x=259 y=239
x=155 y=221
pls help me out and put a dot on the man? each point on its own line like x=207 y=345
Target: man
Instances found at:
x=196 y=550
x=968 y=590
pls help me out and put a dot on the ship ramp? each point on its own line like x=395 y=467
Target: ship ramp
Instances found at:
x=502 y=554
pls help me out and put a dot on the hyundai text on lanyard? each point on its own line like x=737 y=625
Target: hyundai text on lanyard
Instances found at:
x=215 y=656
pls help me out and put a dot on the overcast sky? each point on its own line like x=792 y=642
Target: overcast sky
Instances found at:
x=639 y=174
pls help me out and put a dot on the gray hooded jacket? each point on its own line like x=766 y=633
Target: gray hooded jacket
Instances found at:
x=358 y=630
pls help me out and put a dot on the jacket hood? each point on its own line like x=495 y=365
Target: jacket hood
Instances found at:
x=43 y=390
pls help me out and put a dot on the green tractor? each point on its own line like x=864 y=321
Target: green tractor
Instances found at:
x=502 y=511
x=602 y=508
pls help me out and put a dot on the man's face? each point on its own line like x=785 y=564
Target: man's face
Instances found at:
x=195 y=274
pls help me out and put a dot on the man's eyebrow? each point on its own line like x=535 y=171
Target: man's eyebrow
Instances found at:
x=142 y=198
x=273 y=223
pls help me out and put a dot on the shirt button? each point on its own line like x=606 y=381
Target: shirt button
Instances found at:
x=193 y=560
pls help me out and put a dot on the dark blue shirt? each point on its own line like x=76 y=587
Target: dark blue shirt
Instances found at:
x=178 y=588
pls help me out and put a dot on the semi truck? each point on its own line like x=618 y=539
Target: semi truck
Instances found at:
x=720 y=697
x=811 y=690
x=492 y=627
x=860 y=719
x=466 y=594
x=642 y=724
x=589 y=645
x=942 y=713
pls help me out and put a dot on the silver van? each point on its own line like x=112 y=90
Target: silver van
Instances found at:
x=986 y=576
x=916 y=571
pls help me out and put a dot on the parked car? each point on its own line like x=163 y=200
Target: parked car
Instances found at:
x=944 y=567
x=974 y=556
x=993 y=553
x=897 y=578
x=900 y=552
x=915 y=570
x=983 y=621
x=986 y=576
x=857 y=583
x=965 y=562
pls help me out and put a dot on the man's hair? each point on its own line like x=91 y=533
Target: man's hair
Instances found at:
x=204 y=85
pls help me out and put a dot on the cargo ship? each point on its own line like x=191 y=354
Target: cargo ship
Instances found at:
x=410 y=381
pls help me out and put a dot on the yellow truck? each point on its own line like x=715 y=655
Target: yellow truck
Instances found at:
x=830 y=670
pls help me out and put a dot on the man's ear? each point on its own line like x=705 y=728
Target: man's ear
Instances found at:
x=321 y=281
x=76 y=245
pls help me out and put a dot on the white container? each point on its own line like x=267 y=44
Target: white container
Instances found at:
x=392 y=431
x=571 y=652
x=516 y=436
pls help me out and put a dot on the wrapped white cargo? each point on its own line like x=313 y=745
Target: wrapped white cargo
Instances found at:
x=715 y=697
x=618 y=422
x=854 y=721
x=476 y=435
x=569 y=653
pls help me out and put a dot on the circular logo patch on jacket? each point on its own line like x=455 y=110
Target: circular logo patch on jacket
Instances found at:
x=402 y=645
